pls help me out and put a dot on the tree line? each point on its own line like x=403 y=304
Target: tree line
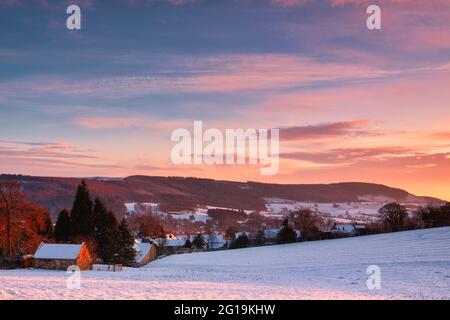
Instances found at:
x=96 y=225
x=392 y=217
x=24 y=225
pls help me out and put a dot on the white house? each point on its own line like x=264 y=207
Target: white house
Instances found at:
x=271 y=234
x=215 y=241
x=343 y=228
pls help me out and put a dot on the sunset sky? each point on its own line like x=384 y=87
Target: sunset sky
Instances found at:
x=351 y=104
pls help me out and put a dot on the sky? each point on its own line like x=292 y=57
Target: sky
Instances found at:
x=351 y=104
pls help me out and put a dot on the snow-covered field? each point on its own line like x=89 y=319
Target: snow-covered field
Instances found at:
x=413 y=264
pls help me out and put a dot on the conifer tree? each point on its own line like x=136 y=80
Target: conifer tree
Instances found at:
x=126 y=252
x=286 y=234
x=63 y=227
x=81 y=215
x=198 y=242
x=106 y=232
x=260 y=238
x=188 y=244
x=241 y=242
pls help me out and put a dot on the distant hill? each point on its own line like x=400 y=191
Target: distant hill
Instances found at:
x=179 y=193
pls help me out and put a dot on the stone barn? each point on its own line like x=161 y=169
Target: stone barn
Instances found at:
x=145 y=253
x=61 y=256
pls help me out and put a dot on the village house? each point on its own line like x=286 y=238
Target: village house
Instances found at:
x=61 y=256
x=215 y=241
x=172 y=244
x=349 y=228
x=145 y=253
x=271 y=234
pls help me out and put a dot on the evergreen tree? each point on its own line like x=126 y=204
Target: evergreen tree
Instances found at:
x=188 y=244
x=106 y=232
x=241 y=242
x=126 y=252
x=286 y=234
x=81 y=214
x=62 y=227
x=260 y=239
x=199 y=242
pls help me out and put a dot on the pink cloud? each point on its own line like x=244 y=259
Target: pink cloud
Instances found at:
x=143 y=122
x=324 y=130
x=222 y=73
x=349 y=155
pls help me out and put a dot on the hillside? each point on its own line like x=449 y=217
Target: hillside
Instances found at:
x=177 y=193
x=413 y=264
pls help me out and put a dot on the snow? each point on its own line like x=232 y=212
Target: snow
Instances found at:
x=376 y=198
x=198 y=217
x=142 y=249
x=58 y=251
x=363 y=211
x=348 y=228
x=174 y=243
x=199 y=214
x=132 y=207
x=414 y=265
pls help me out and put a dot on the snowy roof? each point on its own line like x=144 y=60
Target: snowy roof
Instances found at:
x=58 y=251
x=345 y=227
x=142 y=249
x=174 y=243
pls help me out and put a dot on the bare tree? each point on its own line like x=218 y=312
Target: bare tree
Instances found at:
x=11 y=208
x=393 y=216
x=307 y=221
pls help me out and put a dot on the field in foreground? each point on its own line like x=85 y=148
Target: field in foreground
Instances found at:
x=414 y=265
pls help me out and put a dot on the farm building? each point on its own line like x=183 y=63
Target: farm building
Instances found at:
x=145 y=253
x=61 y=256
x=349 y=228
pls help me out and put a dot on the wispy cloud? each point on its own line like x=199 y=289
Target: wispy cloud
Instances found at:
x=37 y=149
x=109 y=123
x=354 y=127
x=350 y=155
x=220 y=74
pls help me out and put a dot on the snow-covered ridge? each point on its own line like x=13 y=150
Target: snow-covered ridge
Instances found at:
x=199 y=214
x=363 y=211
